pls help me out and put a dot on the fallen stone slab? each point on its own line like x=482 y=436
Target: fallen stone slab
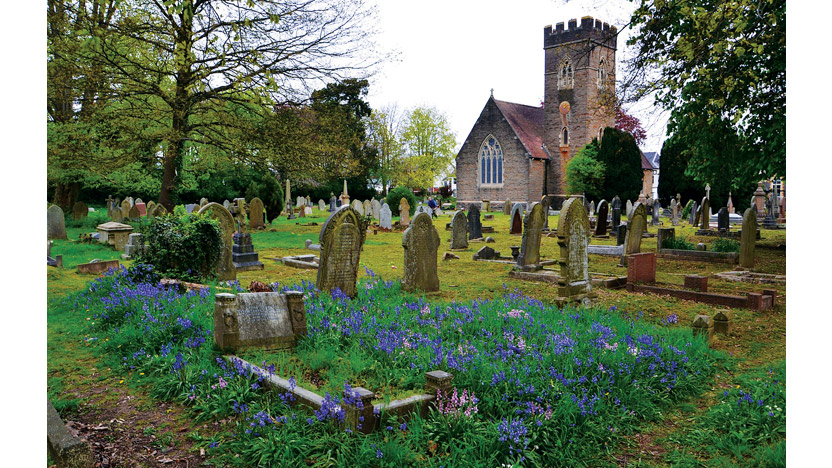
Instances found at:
x=96 y=268
x=65 y=449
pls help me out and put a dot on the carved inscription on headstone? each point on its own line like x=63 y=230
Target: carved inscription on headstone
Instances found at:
x=269 y=320
x=341 y=239
x=532 y=232
x=573 y=237
x=459 y=231
x=421 y=244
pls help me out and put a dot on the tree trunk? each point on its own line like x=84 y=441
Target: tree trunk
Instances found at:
x=66 y=194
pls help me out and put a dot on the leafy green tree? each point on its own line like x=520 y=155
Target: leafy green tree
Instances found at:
x=384 y=128
x=204 y=54
x=672 y=176
x=394 y=197
x=622 y=159
x=429 y=147
x=719 y=66
x=584 y=173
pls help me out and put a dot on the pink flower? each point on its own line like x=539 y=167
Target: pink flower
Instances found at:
x=223 y=383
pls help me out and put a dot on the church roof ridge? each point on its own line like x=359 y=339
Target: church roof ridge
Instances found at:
x=527 y=123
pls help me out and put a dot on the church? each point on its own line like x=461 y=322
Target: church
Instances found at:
x=519 y=153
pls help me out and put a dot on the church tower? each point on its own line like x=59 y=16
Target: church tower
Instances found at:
x=579 y=91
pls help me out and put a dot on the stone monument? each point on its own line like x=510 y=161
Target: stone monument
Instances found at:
x=341 y=239
x=421 y=244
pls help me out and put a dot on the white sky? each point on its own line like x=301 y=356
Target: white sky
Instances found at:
x=452 y=52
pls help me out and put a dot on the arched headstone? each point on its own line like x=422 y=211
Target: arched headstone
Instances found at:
x=421 y=244
x=706 y=213
x=748 y=238
x=358 y=207
x=516 y=219
x=404 y=212
x=544 y=202
x=474 y=223
x=135 y=214
x=629 y=207
x=635 y=229
x=367 y=208
x=125 y=208
x=55 y=223
x=375 y=206
x=158 y=210
x=459 y=231
x=601 y=219
x=255 y=215
x=573 y=237
x=321 y=205
x=80 y=211
x=341 y=239
x=385 y=219
x=225 y=269
x=532 y=233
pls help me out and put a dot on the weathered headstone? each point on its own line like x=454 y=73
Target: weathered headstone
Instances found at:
x=695 y=212
x=782 y=205
x=635 y=229
x=544 y=202
x=657 y=211
x=459 y=231
x=150 y=205
x=125 y=208
x=722 y=219
x=616 y=220
x=474 y=223
x=573 y=237
x=333 y=203
x=159 y=210
x=267 y=320
x=616 y=202
x=759 y=200
x=55 y=224
x=135 y=244
x=629 y=209
x=507 y=206
x=225 y=268
x=256 y=218
x=190 y=207
x=385 y=217
x=134 y=213
x=358 y=207
x=621 y=234
x=404 y=212
x=115 y=214
x=486 y=206
x=321 y=205
x=115 y=234
x=532 y=232
x=375 y=207
x=243 y=255
x=203 y=201
x=80 y=210
x=664 y=234
x=421 y=244
x=591 y=208
x=486 y=253
x=367 y=208
x=516 y=219
x=601 y=219
x=674 y=211
x=225 y=204
x=748 y=238
x=341 y=239
x=142 y=208
x=706 y=213
x=301 y=201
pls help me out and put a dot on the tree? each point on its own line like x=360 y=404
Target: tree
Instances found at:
x=673 y=179
x=622 y=158
x=384 y=128
x=204 y=54
x=584 y=173
x=719 y=66
x=429 y=147
x=630 y=124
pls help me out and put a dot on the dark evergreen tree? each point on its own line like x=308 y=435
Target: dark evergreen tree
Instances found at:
x=622 y=158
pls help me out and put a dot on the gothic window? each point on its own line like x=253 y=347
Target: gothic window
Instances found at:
x=491 y=163
x=566 y=77
x=564 y=140
x=602 y=74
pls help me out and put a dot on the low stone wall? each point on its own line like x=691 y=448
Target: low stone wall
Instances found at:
x=97 y=268
x=753 y=301
x=700 y=256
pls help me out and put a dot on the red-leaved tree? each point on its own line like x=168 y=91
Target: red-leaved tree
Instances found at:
x=632 y=125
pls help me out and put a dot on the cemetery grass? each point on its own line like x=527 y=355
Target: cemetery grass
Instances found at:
x=758 y=340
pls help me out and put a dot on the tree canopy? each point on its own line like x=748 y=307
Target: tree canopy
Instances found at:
x=622 y=159
x=585 y=174
x=719 y=66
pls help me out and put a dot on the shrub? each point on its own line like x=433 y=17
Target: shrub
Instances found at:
x=677 y=243
x=394 y=198
x=623 y=175
x=187 y=248
x=686 y=209
x=725 y=245
x=585 y=173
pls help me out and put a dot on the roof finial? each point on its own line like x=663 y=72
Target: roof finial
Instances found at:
x=492 y=92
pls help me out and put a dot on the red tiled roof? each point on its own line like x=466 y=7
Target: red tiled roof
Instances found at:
x=527 y=123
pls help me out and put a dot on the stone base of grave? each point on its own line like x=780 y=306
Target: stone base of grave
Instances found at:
x=306 y=262
x=96 y=268
x=544 y=276
x=243 y=255
x=753 y=301
x=488 y=229
x=610 y=250
x=699 y=256
x=604 y=236
x=528 y=268
x=578 y=299
x=749 y=277
x=65 y=449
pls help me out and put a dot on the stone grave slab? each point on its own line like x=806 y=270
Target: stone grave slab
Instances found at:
x=267 y=320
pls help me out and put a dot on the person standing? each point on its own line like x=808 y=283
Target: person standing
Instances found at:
x=432 y=206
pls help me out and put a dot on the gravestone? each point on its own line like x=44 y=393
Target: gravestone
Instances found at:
x=256 y=215
x=321 y=205
x=404 y=212
x=616 y=220
x=486 y=206
x=290 y=212
x=301 y=201
x=748 y=238
x=267 y=320
x=137 y=201
x=516 y=219
x=55 y=224
x=459 y=231
x=385 y=220
x=225 y=267
x=333 y=203
x=421 y=244
x=664 y=234
x=544 y=202
x=507 y=206
x=730 y=204
x=142 y=209
x=243 y=256
x=358 y=207
x=125 y=208
x=375 y=206
x=150 y=205
x=601 y=221
x=629 y=209
x=115 y=214
x=202 y=202
x=487 y=253
x=109 y=204
x=135 y=214
x=301 y=211
x=80 y=211
x=367 y=208
x=132 y=202
x=782 y=218
x=635 y=229
x=674 y=212
x=694 y=214
x=615 y=203
x=190 y=207
x=592 y=208
x=474 y=223
x=532 y=232
x=573 y=237
x=621 y=234
x=135 y=244
x=341 y=239
x=722 y=220
x=657 y=211
x=225 y=204
x=115 y=234
x=706 y=213
x=159 y=210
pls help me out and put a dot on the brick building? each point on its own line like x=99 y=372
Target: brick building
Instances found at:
x=517 y=152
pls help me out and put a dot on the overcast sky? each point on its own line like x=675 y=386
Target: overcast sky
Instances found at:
x=452 y=52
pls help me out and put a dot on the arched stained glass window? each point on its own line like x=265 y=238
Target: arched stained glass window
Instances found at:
x=491 y=162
